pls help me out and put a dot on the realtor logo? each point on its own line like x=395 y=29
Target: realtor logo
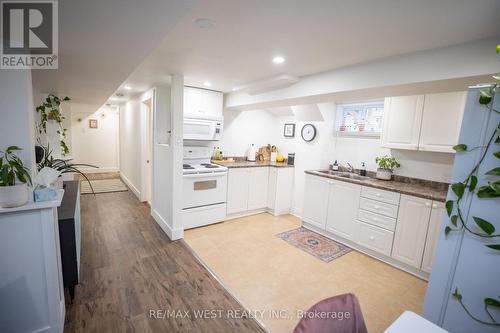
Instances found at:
x=29 y=34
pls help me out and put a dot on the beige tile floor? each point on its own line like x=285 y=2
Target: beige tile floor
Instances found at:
x=266 y=273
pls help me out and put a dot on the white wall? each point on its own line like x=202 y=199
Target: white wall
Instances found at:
x=97 y=146
x=17 y=114
x=130 y=138
x=262 y=126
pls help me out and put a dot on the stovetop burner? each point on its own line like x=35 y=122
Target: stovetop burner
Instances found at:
x=209 y=165
x=187 y=166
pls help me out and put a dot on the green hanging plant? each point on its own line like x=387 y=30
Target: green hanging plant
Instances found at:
x=486 y=191
x=50 y=109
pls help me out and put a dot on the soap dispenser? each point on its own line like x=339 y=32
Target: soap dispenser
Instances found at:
x=362 y=171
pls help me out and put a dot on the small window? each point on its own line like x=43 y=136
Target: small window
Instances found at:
x=360 y=119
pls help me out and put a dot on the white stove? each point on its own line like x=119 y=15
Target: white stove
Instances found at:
x=204 y=188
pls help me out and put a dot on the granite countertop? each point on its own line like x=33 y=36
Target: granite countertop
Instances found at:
x=411 y=186
x=248 y=164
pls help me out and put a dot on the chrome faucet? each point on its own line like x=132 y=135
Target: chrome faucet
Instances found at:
x=350 y=168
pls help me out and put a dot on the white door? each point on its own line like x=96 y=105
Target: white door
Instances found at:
x=257 y=188
x=411 y=230
x=441 y=121
x=343 y=205
x=315 y=205
x=237 y=190
x=435 y=221
x=402 y=120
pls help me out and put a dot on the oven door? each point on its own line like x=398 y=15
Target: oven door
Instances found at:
x=204 y=189
x=199 y=129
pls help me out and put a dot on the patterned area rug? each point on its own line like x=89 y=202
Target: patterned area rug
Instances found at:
x=102 y=186
x=314 y=244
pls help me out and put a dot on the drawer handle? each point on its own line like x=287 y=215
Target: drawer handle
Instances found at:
x=372 y=238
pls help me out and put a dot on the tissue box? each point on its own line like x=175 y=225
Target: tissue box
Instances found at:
x=45 y=194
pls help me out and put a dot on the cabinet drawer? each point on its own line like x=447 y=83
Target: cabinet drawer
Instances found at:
x=380 y=195
x=379 y=207
x=375 y=238
x=378 y=220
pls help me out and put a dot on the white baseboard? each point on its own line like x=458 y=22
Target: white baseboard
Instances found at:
x=134 y=189
x=99 y=170
x=295 y=212
x=173 y=234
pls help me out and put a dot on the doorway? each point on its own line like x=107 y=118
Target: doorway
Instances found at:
x=147 y=149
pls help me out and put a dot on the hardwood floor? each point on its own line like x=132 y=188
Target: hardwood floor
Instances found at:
x=129 y=268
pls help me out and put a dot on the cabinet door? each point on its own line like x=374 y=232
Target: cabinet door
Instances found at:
x=343 y=205
x=271 y=188
x=441 y=121
x=257 y=193
x=435 y=221
x=402 y=120
x=315 y=205
x=237 y=190
x=202 y=103
x=411 y=230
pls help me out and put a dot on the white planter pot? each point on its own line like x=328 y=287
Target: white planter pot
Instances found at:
x=13 y=196
x=384 y=174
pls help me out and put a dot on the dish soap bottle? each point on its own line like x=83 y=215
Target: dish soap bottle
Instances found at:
x=251 y=153
x=362 y=171
x=335 y=166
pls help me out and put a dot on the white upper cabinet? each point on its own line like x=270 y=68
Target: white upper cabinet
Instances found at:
x=202 y=103
x=423 y=122
x=315 y=203
x=435 y=221
x=411 y=230
x=343 y=206
x=441 y=121
x=402 y=119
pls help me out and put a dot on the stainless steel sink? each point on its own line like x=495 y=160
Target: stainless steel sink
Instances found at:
x=344 y=174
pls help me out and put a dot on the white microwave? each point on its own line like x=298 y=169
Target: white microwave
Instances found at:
x=202 y=129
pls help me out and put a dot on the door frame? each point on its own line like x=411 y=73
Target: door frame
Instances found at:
x=147 y=108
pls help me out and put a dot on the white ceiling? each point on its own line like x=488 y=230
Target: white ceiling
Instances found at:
x=314 y=36
x=107 y=44
x=101 y=42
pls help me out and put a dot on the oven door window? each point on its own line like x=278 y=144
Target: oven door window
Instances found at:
x=204 y=185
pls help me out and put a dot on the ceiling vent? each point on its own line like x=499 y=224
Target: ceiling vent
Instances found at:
x=262 y=86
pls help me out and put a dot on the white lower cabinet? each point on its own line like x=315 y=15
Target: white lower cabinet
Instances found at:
x=254 y=189
x=343 y=203
x=435 y=221
x=237 y=190
x=374 y=238
x=411 y=230
x=257 y=188
x=315 y=206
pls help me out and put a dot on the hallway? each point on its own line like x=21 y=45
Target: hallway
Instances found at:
x=130 y=268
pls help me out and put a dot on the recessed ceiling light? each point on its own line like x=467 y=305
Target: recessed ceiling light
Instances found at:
x=207 y=84
x=204 y=23
x=278 y=60
x=127 y=87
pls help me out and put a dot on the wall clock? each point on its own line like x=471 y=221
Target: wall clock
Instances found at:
x=308 y=132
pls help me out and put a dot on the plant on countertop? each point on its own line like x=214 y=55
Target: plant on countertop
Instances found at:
x=387 y=163
x=12 y=168
x=62 y=165
x=486 y=191
x=50 y=109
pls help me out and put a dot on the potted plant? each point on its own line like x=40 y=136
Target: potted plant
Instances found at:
x=50 y=109
x=14 y=179
x=386 y=165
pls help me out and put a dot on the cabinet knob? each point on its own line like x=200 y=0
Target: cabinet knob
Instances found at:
x=372 y=238
x=427 y=204
x=434 y=206
x=377 y=206
x=378 y=194
x=375 y=219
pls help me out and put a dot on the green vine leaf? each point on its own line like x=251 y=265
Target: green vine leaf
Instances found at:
x=447 y=231
x=494 y=172
x=498 y=48
x=494 y=246
x=454 y=220
x=489 y=191
x=486 y=226
x=473 y=183
x=484 y=97
x=449 y=207
x=491 y=302
x=460 y=148
x=458 y=189
x=497 y=154
x=457 y=295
